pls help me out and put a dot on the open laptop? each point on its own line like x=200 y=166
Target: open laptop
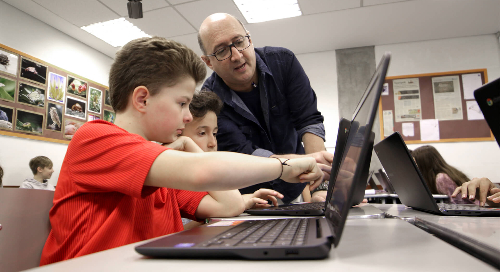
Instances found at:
x=291 y=238
x=384 y=181
x=488 y=99
x=410 y=185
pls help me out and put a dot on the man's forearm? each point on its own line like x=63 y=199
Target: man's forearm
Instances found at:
x=313 y=143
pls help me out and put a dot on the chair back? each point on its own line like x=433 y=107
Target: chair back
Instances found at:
x=25 y=226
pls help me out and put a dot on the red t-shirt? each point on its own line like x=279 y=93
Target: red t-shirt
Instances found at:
x=101 y=201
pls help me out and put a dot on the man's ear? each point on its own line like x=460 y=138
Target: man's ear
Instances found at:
x=206 y=60
x=140 y=97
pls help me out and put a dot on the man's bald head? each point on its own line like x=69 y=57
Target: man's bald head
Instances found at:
x=212 y=22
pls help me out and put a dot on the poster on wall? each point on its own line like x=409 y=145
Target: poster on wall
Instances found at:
x=70 y=128
x=29 y=122
x=31 y=95
x=109 y=116
x=7 y=89
x=447 y=98
x=95 y=98
x=57 y=85
x=8 y=62
x=6 y=117
x=75 y=107
x=107 y=100
x=407 y=105
x=77 y=86
x=33 y=71
x=54 y=117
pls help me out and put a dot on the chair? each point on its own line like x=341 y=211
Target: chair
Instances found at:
x=25 y=226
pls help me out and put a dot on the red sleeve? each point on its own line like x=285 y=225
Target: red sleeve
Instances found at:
x=105 y=158
x=188 y=202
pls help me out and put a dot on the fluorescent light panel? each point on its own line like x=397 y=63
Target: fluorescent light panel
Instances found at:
x=256 y=11
x=116 y=32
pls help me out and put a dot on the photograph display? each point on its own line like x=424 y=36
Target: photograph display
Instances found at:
x=109 y=116
x=29 y=122
x=7 y=89
x=107 y=100
x=95 y=98
x=75 y=107
x=31 y=95
x=33 y=71
x=8 y=62
x=6 y=117
x=94 y=117
x=77 y=86
x=54 y=117
x=57 y=83
x=70 y=127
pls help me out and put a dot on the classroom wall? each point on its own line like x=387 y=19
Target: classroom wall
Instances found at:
x=31 y=36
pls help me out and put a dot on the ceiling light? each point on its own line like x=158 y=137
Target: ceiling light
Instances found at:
x=256 y=11
x=116 y=32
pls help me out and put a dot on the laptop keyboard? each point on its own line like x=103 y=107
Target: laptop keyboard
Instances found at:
x=281 y=232
x=450 y=206
x=300 y=207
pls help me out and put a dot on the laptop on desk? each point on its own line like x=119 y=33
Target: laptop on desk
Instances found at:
x=488 y=99
x=290 y=238
x=410 y=185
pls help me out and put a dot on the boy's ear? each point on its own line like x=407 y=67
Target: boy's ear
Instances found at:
x=140 y=97
x=39 y=169
x=206 y=60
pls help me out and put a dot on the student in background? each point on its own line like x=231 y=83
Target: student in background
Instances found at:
x=41 y=167
x=205 y=107
x=1 y=177
x=117 y=186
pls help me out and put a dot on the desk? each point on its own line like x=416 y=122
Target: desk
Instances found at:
x=366 y=245
x=393 y=197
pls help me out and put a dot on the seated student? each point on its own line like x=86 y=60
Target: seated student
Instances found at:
x=488 y=192
x=41 y=167
x=117 y=186
x=204 y=108
x=441 y=178
x=1 y=177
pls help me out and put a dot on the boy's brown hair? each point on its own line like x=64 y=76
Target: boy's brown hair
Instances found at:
x=40 y=161
x=154 y=63
x=203 y=102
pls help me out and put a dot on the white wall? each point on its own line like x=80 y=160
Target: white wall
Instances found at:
x=475 y=159
x=31 y=36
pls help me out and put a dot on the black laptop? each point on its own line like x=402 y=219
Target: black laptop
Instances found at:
x=488 y=99
x=410 y=185
x=292 y=238
x=384 y=182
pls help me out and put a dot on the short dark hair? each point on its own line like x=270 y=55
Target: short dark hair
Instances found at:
x=200 y=41
x=154 y=63
x=203 y=102
x=1 y=175
x=40 y=161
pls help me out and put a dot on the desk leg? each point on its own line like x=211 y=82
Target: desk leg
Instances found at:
x=383 y=200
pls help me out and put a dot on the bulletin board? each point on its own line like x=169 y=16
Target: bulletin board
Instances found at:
x=436 y=107
x=43 y=102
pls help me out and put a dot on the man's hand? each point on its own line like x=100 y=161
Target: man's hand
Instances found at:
x=184 y=143
x=323 y=157
x=301 y=170
x=484 y=187
x=260 y=197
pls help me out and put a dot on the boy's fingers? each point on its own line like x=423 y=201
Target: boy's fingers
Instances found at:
x=483 y=191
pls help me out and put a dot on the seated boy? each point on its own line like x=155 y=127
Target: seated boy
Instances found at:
x=41 y=167
x=204 y=108
x=117 y=186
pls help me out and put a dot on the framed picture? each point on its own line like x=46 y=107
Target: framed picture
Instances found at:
x=107 y=100
x=77 y=86
x=8 y=62
x=29 y=122
x=95 y=98
x=94 y=117
x=56 y=87
x=7 y=89
x=31 y=95
x=70 y=127
x=54 y=117
x=75 y=107
x=109 y=116
x=6 y=117
x=33 y=71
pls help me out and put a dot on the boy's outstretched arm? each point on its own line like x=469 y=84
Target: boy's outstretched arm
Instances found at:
x=220 y=204
x=219 y=171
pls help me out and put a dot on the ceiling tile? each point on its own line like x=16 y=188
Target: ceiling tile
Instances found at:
x=176 y=2
x=378 y=2
x=320 y=6
x=165 y=22
x=79 y=13
x=120 y=6
x=196 y=12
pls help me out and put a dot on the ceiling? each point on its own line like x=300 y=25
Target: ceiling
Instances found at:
x=325 y=24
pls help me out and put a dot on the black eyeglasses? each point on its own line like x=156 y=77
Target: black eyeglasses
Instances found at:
x=226 y=52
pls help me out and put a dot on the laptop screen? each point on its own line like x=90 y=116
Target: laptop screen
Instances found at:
x=356 y=151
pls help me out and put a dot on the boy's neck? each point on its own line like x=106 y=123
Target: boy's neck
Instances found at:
x=129 y=122
x=38 y=178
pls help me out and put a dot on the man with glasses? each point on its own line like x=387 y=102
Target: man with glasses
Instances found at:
x=269 y=105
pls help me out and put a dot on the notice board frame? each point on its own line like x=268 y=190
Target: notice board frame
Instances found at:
x=450 y=130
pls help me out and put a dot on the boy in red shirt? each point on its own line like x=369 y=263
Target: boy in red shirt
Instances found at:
x=117 y=187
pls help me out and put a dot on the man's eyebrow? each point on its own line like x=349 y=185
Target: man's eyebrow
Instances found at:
x=224 y=44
